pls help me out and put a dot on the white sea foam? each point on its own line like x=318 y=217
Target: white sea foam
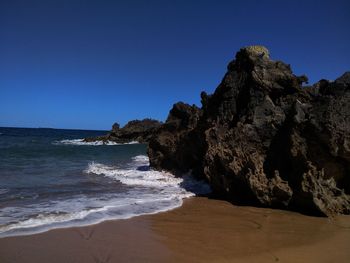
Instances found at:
x=113 y=208
x=148 y=192
x=3 y=190
x=139 y=174
x=135 y=177
x=94 y=143
x=140 y=160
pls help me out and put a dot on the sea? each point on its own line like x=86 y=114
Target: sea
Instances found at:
x=51 y=178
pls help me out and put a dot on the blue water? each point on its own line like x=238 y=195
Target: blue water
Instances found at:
x=50 y=179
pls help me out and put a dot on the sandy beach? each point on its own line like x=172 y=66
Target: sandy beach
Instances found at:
x=202 y=230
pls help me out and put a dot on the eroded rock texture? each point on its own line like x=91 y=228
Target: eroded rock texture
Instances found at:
x=263 y=138
x=136 y=130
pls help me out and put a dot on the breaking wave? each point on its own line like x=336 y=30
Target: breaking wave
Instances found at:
x=94 y=143
x=145 y=191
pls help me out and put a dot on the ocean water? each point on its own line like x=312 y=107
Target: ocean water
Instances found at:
x=50 y=178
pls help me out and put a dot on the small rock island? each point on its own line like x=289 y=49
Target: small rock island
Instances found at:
x=134 y=131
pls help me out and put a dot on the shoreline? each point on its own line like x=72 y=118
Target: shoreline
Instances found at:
x=201 y=230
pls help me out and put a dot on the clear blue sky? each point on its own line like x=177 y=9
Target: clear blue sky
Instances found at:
x=87 y=64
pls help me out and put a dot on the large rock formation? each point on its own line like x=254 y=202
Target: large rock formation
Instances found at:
x=262 y=138
x=136 y=130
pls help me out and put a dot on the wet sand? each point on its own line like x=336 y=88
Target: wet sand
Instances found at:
x=202 y=230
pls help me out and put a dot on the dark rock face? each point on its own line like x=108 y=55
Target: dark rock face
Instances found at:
x=136 y=130
x=263 y=138
x=174 y=145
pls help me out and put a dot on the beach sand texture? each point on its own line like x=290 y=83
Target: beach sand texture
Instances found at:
x=202 y=230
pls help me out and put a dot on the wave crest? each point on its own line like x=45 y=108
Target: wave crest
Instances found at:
x=94 y=143
x=145 y=192
x=134 y=176
x=140 y=174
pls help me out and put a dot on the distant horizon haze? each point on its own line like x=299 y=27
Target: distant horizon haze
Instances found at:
x=88 y=64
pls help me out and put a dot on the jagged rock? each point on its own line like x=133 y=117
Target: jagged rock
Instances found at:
x=115 y=127
x=262 y=138
x=173 y=140
x=136 y=130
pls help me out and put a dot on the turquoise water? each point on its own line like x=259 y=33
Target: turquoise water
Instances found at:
x=50 y=179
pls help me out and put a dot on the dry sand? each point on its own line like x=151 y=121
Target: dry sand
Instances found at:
x=202 y=230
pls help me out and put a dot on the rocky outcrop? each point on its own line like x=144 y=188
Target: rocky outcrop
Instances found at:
x=262 y=138
x=136 y=130
x=175 y=145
